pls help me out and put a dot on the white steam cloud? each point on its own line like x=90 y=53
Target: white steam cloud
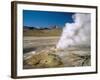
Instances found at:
x=76 y=33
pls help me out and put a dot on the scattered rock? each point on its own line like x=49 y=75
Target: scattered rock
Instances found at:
x=44 y=59
x=51 y=57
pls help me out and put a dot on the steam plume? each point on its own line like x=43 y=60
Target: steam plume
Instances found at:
x=76 y=33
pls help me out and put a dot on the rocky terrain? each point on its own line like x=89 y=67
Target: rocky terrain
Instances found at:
x=40 y=52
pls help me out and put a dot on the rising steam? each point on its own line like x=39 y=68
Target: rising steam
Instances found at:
x=76 y=33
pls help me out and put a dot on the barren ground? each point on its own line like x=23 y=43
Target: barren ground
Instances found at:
x=71 y=57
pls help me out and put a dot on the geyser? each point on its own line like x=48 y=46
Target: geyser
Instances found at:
x=76 y=33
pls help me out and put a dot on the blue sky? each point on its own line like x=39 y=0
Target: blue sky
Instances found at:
x=46 y=18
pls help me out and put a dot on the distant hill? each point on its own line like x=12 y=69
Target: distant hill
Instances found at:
x=42 y=28
x=29 y=28
x=54 y=27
